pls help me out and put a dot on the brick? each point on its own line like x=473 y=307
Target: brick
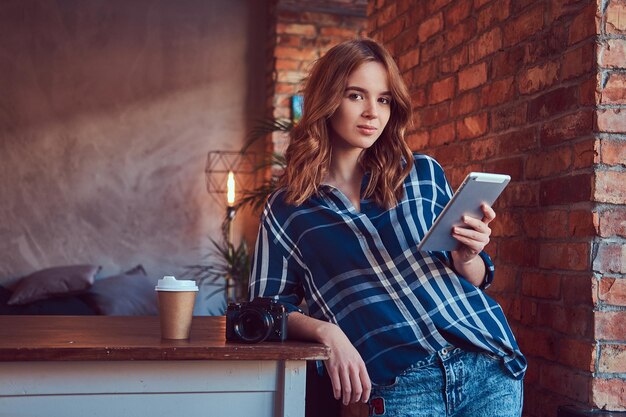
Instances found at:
x=386 y=15
x=392 y=30
x=454 y=61
x=285 y=64
x=498 y=92
x=417 y=141
x=504 y=280
x=443 y=135
x=577 y=288
x=435 y=5
x=582 y=223
x=616 y=17
x=295 y=53
x=578 y=62
x=568 y=127
x=529 y=312
x=544 y=403
x=572 y=321
x=460 y=33
x=485 y=149
x=464 y=104
x=492 y=14
x=610 y=187
x=546 y=45
x=613 y=222
x=612 y=54
x=512 y=166
x=552 y=103
x=567 y=382
x=430 y=27
x=610 y=258
x=546 y=223
x=610 y=325
x=472 y=126
x=433 y=48
x=346 y=33
x=442 y=90
x=521 y=194
x=584 y=25
x=547 y=163
x=435 y=114
x=418 y=97
x=612 y=358
x=538 y=343
x=520 y=252
x=613 y=290
x=507 y=224
x=296 y=29
x=524 y=26
x=566 y=190
x=480 y=3
x=585 y=153
x=485 y=45
x=289 y=41
x=407 y=40
x=614 y=91
x=613 y=152
x=587 y=92
x=450 y=154
x=570 y=256
x=418 y=11
x=293 y=77
x=425 y=74
x=508 y=117
x=508 y=62
x=472 y=77
x=611 y=121
x=538 y=78
x=458 y=12
x=409 y=60
x=541 y=285
x=609 y=394
x=577 y=353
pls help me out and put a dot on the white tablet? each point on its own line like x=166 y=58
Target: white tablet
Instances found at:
x=476 y=189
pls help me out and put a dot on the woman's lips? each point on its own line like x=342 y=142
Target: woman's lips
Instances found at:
x=366 y=129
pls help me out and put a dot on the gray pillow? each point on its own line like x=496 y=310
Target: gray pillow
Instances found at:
x=53 y=282
x=128 y=294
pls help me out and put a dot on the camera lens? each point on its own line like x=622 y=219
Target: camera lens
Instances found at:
x=253 y=325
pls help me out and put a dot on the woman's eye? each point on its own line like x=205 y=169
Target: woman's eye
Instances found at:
x=355 y=96
x=384 y=100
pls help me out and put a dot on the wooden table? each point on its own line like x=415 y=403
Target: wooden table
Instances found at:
x=119 y=366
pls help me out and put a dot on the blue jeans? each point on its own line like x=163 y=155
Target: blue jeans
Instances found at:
x=451 y=383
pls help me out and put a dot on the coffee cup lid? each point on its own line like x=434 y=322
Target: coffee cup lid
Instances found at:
x=170 y=283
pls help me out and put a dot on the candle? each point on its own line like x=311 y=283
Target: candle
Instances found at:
x=230 y=187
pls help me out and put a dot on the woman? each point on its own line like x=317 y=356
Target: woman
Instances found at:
x=410 y=332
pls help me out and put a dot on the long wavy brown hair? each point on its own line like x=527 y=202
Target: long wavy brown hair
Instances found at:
x=309 y=150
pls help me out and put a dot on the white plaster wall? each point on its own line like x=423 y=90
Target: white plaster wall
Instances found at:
x=107 y=111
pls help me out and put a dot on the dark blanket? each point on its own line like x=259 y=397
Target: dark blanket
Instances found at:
x=69 y=305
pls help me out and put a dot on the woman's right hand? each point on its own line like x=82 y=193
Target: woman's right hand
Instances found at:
x=347 y=371
x=346 y=368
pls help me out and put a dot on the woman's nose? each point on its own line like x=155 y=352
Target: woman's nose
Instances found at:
x=370 y=110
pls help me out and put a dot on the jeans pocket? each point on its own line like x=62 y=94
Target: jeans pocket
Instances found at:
x=492 y=356
x=386 y=385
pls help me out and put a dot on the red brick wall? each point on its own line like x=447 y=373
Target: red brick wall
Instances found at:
x=300 y=33
x=534 y=89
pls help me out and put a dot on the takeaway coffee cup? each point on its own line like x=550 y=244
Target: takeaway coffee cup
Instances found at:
x=176 y=300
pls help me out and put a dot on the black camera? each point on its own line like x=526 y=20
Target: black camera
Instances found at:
x=260 y=319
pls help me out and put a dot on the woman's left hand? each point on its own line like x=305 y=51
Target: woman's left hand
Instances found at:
x=475 y=237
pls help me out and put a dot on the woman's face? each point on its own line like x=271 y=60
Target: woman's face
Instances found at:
x=364 y=109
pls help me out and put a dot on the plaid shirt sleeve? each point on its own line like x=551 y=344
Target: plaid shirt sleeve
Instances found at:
x=275 y=272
